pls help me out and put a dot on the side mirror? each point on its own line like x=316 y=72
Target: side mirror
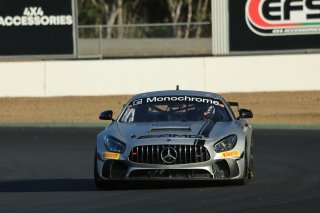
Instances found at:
x=106 y=115
x=245 y=113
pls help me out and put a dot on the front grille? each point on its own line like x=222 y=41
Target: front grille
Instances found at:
x=151 y=154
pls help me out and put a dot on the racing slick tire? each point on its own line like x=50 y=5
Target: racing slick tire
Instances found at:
x=248 y=168
x=100 y=184
x=250 y=172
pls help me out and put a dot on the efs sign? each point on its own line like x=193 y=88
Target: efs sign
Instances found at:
x=274 y=25
x=37 y=28
x=283 y=17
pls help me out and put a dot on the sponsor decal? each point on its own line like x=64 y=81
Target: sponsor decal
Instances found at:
x=160 y=99
x=229 y=154
x=283 y=17
x=137 y=102
x=35 y=16
x=181 y=99
x=169 y=136
x=111 y=155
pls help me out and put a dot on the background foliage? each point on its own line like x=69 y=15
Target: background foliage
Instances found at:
x=130 y=12
x=92 y=12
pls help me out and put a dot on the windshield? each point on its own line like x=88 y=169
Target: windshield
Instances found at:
x=175 y=108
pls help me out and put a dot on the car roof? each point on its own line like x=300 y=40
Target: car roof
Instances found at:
x=178 y=93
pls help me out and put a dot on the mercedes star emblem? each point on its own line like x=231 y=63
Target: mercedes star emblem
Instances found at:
x=169 y=155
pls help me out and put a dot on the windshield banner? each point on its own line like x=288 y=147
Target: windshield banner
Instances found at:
x=164 y=99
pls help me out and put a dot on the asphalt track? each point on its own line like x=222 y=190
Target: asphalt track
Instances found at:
x=50 y=170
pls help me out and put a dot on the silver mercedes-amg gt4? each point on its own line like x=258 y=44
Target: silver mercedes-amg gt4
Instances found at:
x=175 y=135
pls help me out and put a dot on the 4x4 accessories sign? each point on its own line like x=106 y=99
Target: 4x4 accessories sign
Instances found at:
x=283 y=17
x=35 y=16
x=37 y=28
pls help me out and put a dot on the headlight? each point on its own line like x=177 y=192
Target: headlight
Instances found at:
x=114 y=145
x=226 y=144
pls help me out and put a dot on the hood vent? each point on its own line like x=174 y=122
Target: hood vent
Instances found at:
x=170 y=128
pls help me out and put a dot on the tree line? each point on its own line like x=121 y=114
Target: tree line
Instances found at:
x=127 y=12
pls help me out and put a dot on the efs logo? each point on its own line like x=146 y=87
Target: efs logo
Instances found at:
x=283 y=17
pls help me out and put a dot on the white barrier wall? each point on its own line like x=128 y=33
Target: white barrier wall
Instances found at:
x=131 y=76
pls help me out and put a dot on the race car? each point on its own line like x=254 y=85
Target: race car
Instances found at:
x=175 y=135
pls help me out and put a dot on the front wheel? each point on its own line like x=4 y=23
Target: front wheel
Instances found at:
x=97 y=182
x=101 y=184
x=248 y=169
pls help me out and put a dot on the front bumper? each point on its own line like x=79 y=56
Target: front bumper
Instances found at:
x=215 y=168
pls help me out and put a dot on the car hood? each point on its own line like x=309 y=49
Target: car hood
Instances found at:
x=167 y=131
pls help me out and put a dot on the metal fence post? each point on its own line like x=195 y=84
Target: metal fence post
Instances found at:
x=220 y=27
x=100 y=41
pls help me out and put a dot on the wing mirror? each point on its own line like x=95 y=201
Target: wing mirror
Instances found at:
x=245 y=113
x=106 y=115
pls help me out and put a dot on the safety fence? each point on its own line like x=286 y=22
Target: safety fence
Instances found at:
x=144 y=40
